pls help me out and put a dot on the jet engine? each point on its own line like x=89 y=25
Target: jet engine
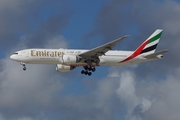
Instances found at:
x=69 y=59
x=160 y=56
x=64 y=68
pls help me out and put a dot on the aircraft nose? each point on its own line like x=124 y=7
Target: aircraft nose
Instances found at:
x=11 y=57
x=15 y=56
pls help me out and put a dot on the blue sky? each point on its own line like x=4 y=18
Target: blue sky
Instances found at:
x=145 y=91
x=81 y=22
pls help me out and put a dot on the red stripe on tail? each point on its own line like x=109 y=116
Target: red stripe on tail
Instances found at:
x=137 y=51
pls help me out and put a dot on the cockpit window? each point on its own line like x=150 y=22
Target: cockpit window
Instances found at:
x=15 y=53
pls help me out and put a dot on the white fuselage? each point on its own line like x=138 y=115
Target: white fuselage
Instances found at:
x=68 y=59
x=54 y=56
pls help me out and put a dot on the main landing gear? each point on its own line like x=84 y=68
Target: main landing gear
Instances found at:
x=87 y=70
x=24 y=66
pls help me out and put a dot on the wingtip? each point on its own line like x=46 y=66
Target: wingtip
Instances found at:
x=123 y=37
x=166 y=50
x=159 y=30
x=126 y=36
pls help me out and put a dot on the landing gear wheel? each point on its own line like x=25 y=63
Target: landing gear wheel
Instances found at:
x=90 y=69
x=93 y=69
x=86 y=68
x=89 y=73
x=86 y=72
x=82 y=72
x=24 y=68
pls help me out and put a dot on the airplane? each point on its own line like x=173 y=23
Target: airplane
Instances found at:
x=68 y=59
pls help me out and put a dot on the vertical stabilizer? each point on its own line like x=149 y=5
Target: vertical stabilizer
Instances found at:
x=148 y=46
x=151 y=43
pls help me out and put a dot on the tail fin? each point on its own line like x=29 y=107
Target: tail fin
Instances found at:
x=148 y=46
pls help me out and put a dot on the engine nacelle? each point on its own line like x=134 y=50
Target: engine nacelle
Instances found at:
x=160 y=56
x=64 y=68
x=69 y=59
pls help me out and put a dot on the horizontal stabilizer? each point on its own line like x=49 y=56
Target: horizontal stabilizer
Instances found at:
x=155 y=55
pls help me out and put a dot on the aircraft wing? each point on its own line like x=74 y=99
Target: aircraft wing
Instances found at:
x=155 y=55
x=101 y=50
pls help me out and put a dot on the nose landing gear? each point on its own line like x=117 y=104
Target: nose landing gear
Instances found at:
x=24 y=66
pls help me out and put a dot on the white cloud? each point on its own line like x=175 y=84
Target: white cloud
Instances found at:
x=1 y=117
x=146 y=104
x=10 y=4
x=29 y=90
x=148 y=99
x=25 y=118
x=56 y=43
